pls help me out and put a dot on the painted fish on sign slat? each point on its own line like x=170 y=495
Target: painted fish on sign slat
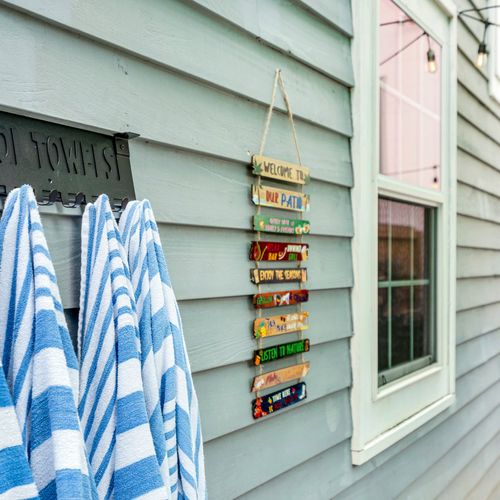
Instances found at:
x=267 y=405
x=280 y=351
x=280 y=170
x=276 y=377
x=280 y=198
x=260 y=276
x=281 y=225
x=280 y=324
x=277 y=251
x=279 y=299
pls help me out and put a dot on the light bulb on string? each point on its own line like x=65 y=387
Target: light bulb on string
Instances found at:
x=431 y=57
x=482 y=51
x=482 y=55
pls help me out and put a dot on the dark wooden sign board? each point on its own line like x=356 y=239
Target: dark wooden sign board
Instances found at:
x=267 y=405
x=278 y=251
x=279 y=299
x=280 y=351
x=56 y=158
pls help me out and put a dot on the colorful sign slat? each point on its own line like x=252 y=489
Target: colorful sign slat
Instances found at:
x=276 y=377
x=267 y=405
x=280 y=198
x=280 y=170
x=278 y=251
x=281 y=225
x=279 y=299
x=280 y=351
x=280 y=324
x=262 y=276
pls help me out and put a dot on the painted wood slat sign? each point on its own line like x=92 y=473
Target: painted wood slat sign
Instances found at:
x=279 y=299
x=276 y=377
x=280 y=351
x=280 y=324
x=280 y=170
x=261 y=276
x=267 y=405
x=280 y=198
x=277 y=251
x=281 y=225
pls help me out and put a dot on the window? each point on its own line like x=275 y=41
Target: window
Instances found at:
x=404 y=246
x=406 y=288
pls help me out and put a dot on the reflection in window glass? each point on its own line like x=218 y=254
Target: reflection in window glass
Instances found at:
x=406 y=284
x=410 y=100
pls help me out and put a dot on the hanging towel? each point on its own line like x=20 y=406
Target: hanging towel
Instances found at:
x=16 y=481
x=112 y=405
x=161 y=331
x=37 y=356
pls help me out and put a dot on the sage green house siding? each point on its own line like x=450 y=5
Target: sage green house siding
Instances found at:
x=194 y=78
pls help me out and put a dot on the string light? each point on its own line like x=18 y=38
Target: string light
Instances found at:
x=482 y=52
x=431 y=57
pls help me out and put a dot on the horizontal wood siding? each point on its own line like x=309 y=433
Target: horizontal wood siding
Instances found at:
x=194 y=79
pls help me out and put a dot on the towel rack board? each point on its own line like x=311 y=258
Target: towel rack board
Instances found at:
x=64 y=164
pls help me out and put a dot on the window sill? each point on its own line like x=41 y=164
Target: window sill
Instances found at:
x=392 y=436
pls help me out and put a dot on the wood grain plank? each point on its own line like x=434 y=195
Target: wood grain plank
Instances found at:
x=473 y=391
x=474 y=172
x=475 y=82
x=299 y=33
x=186 y=184
x=477 y=351
x=443 y=470
x=476 y=292
x=390 y=479
x=148 y=100
x=476 y=233
x=474 y=141
x=338 y=13
x=218 y=332
x=472 y=472
x=224 y=393
x=286 y=434
x=477 y=113
x=477 y=263
x=475 y=322
x=207 y=262
x=477 y=204
x=174 y=35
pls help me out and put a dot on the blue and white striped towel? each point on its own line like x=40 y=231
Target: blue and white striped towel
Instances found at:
x=16 y=481
x=163 y=343
x=37 y=356
x=112 y=405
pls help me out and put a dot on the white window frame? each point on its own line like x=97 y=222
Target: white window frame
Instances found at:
x=493 y=43
x=384 y=415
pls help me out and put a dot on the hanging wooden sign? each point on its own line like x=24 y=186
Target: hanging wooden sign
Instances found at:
x=281 y=324
x=260 y=276
x=280 y=198
x=278 y=299
x=266 y=405
x=278 y=251
x=280 y=170
x=280 y=351
x=276 y=377
x=281 y=225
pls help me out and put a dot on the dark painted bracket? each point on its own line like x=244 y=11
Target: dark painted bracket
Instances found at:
x=64 y=164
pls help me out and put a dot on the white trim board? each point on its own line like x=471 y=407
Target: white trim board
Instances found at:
x=382 y=416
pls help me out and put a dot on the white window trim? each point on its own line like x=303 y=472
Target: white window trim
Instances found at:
x=383 y=416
